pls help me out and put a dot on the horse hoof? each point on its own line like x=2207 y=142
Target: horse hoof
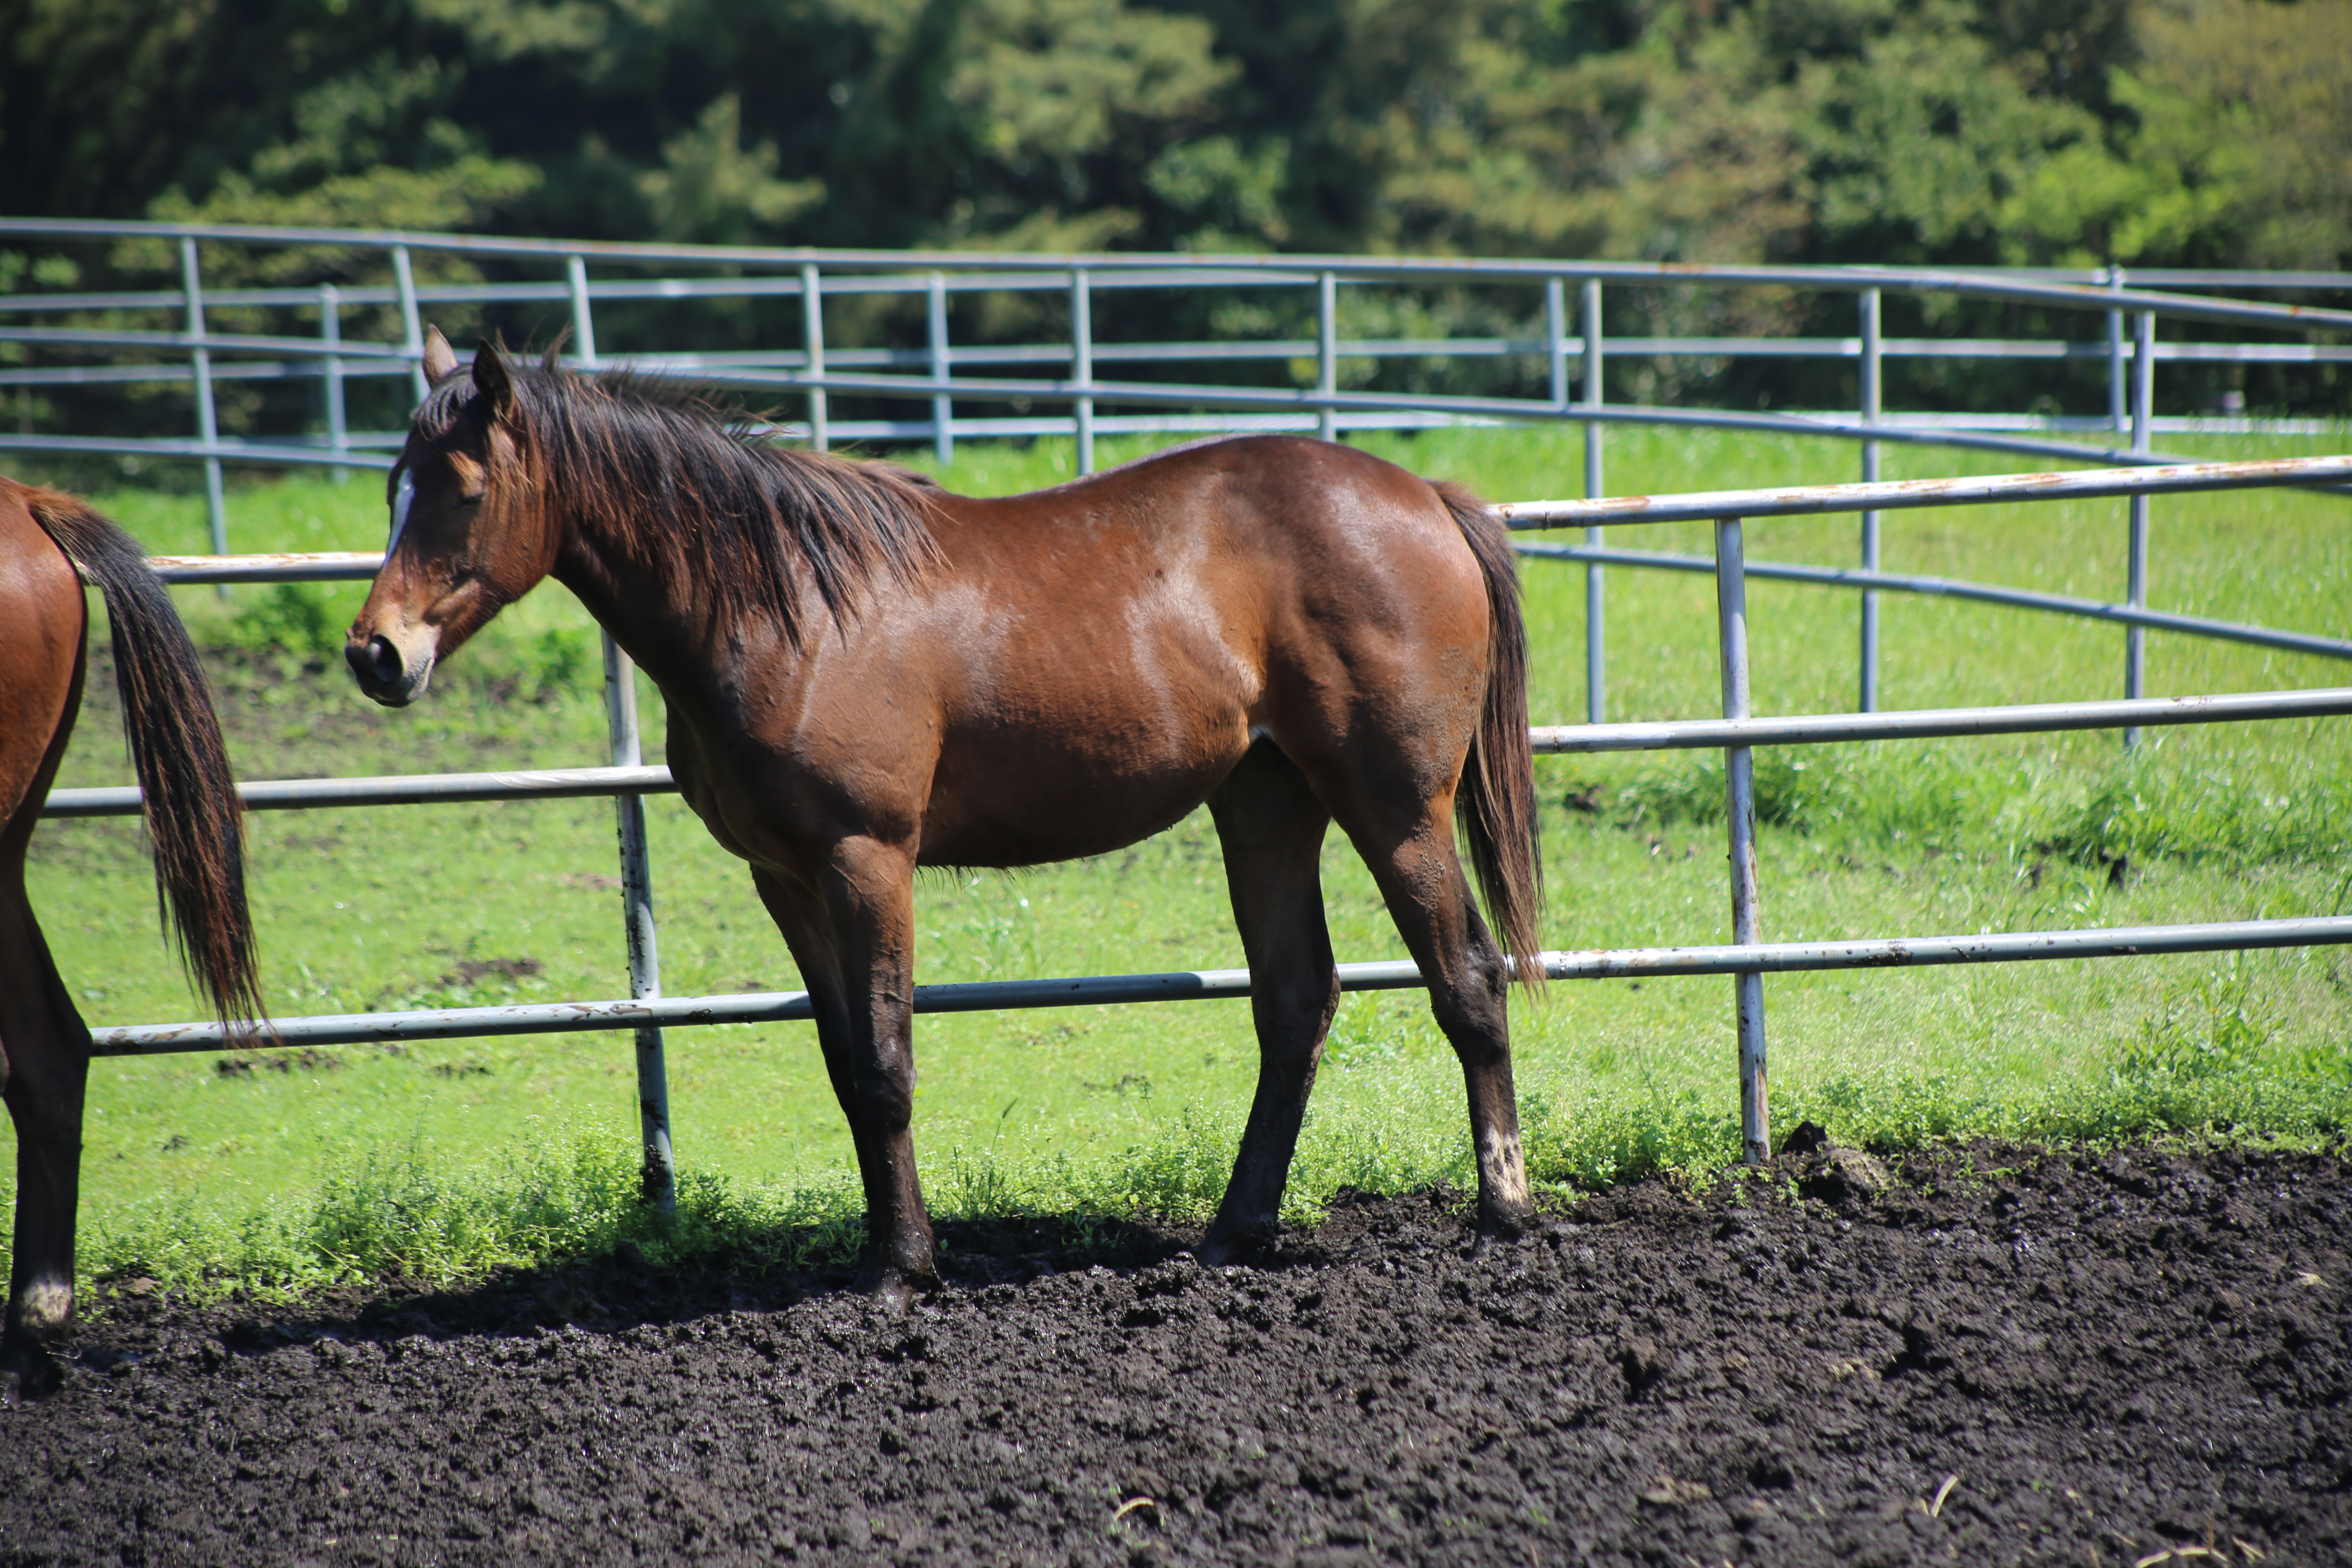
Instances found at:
x=1222 y=1246
x=898 y=1286
x=35 y=1373
x=1501 y=1226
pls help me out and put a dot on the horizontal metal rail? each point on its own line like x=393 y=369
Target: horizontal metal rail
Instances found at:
x=789 y=286
x=218 y=342
x=305 y=357
x=1931 y=723
x=1953 y=588
x=1174 y=395
x=321 y=566
x=2089 y=294
x=1806 y=501
x=396 y=789
x=228 y=449
x=1230 y=984
x=1680 y=734
x=1418 y=408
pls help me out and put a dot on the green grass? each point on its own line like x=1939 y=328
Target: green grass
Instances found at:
x=445 y=1160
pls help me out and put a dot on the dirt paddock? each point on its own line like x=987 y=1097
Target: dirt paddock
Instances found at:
x=1990 y=1357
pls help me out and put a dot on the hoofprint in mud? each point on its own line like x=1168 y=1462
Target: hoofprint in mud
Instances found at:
x=1989 y=1356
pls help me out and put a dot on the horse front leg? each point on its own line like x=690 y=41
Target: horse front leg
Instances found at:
x=853 y=935
x=44 y=1065
x=1271 y=827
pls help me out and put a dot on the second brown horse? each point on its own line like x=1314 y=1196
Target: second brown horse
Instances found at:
x=866 y=674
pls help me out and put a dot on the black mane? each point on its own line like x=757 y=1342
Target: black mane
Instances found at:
x=700 y=487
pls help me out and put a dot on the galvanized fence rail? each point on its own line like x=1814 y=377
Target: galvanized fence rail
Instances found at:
x=1748 y=958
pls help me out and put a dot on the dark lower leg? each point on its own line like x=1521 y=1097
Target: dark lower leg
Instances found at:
x=1271 y=827
x=853 y=945
x=1422 y=881
x=48 y=1063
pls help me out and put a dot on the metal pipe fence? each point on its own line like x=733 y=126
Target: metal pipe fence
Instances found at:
x=812 y=373
x=929 y=374
x=1747 y=959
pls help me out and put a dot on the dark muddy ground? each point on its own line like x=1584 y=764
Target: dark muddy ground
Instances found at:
x=2000 y=1357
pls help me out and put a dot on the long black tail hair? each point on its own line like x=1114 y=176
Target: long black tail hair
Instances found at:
x=1496 y=804
x=190 y=801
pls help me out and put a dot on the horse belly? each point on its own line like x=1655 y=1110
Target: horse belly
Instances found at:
x=1015 y=799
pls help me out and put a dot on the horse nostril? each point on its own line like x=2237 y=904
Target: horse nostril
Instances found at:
x=378 y=663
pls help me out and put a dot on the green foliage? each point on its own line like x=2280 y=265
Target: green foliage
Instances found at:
x=2212 y=1028
x=2231 y=146
x=293 y=617
x=2210 y=130
x=1939 y=132
x=381 y=1215
x=2152 y=807
x=2137 y=809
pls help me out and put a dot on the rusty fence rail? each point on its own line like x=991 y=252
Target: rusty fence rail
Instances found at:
x=1747 y=959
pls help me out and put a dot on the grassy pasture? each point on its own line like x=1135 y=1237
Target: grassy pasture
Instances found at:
x=445 y=1159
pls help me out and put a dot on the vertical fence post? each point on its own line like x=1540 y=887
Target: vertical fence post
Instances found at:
x=331 y=373
x=2136 y=571
x=1327 y=352
x=1596 y=628
x=1082 y=364
x=2117 y=406
x=1556 y=337
x=942 y=431
x=660 y=1170
x=200 y=360
x=813 y=332
x=583 y=323
x=1739 y=776
x=411 y=325
x=1870 y=406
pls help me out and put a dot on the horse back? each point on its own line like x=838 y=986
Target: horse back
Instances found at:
x=1263 y=525
x=1104 y=653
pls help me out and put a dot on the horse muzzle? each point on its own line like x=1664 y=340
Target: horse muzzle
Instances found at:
x=388 y=673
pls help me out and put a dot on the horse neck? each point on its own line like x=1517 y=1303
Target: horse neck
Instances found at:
x=658 y=616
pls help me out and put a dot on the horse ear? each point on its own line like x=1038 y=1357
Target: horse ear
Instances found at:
x=492 y=380
x=440 y=358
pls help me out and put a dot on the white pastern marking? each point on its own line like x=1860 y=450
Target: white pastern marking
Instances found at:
x=402 y=500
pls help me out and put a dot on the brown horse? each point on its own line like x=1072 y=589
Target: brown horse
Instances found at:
x=866 y=674
x=192 y=817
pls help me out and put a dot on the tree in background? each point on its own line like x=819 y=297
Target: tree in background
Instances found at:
x=1954 y=131
x=1708 y=130
x=1967 y=132
x=2232 y=147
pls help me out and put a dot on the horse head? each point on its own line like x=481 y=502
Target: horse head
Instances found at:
x=470 y=530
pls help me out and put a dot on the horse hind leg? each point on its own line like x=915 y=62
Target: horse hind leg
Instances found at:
x=1271 y=827
x=1419 y=876
x=47 y=1049
x=44 y=1045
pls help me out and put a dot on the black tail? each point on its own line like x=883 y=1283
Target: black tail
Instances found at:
x=1496 y=804
x=193 y=813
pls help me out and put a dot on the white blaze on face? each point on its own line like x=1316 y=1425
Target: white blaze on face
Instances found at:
x=402 y=500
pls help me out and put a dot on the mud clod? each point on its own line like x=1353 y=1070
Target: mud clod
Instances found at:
x=1990 y=1356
